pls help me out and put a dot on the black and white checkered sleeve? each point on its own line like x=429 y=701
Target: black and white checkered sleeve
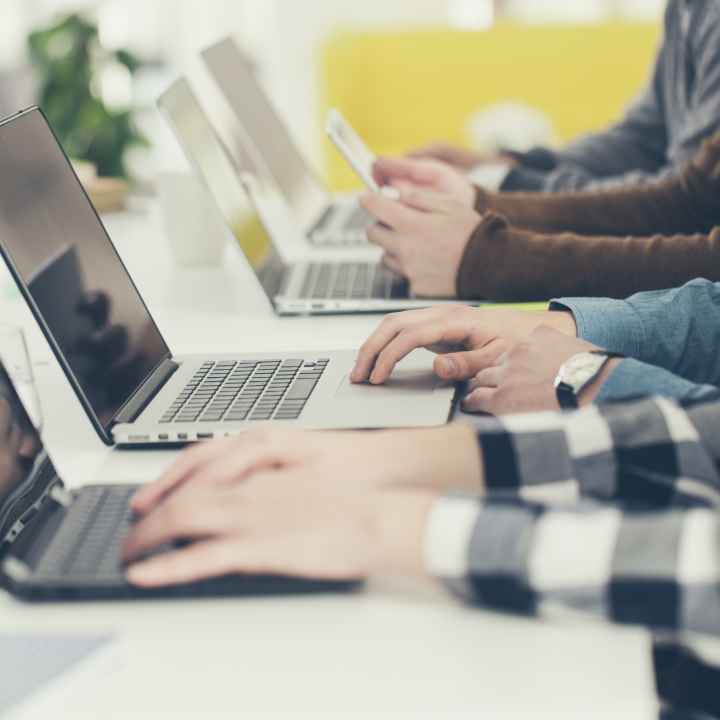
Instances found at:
x=650 y=451
x=611 y=509
x=657 y=568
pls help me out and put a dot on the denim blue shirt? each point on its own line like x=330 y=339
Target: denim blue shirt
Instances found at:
x=671 y=339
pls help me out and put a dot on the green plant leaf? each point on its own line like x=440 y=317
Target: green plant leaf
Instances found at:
x=67 y=56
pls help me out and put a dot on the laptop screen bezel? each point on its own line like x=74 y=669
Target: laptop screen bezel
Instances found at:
x=104 y=431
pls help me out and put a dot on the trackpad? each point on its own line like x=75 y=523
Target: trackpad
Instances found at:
x=402 y=384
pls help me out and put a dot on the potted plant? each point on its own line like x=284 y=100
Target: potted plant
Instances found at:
x=70 y=62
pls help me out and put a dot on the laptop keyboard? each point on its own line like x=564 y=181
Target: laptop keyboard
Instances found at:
x=352 y=281
x=238 y=391
x=87 y=543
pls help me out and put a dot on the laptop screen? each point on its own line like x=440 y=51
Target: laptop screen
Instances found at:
x=266 y=133
x=25 y=468
x=209 y=157
x=64 y=259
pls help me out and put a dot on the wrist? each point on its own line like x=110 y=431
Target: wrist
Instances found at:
x=507 y=159
x=468 y=195
x=400 y=520
x=438 y=458
x=562 y=321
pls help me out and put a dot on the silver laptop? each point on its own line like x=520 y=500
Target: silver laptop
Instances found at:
x=294 y=288
x=324 y=219
x=134 y=390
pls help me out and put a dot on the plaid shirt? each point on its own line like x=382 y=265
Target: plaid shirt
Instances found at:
x=636 y=489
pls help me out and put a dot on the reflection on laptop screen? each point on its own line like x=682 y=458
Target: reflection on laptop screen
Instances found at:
x=207 y=154
x=25 y=469
x=63 y=256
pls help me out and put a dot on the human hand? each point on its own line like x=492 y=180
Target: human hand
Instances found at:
x=379 y=459
x=280 y=522
x=523 y=380
x=404 y=174
x=456 y=157
x=265 y=503
x=424 y=235
x=467 y=340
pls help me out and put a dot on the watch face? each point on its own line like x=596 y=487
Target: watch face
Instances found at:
x=580 y=369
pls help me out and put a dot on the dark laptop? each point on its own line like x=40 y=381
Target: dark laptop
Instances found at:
x=60 y=544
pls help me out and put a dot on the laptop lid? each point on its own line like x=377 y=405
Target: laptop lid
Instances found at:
x=265 y=131
x=209 y=157
x=70 y=274
x=26 y=470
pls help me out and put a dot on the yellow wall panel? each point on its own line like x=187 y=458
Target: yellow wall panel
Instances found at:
x=403 y=88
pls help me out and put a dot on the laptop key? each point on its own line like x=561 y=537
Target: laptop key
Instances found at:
x=301 y=390
x=235 y=417
x=235 y=392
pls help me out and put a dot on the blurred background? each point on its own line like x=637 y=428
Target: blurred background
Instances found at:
x=478 y=72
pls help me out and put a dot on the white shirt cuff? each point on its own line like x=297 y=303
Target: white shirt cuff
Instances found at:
x=490 y=177
x=447 y=536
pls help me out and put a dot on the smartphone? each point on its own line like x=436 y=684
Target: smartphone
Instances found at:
x=351 y=146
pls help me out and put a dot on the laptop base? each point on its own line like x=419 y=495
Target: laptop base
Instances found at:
x=36 y=590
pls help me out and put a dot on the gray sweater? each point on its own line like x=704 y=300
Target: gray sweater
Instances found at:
x=661 y=130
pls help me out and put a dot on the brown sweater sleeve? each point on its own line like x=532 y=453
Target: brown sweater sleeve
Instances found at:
x=502 y=263
x=688 y=203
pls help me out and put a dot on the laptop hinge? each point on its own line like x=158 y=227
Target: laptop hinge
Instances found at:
x=148 y=390
x=55 y=491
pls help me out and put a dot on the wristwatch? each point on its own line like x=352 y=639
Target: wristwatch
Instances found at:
x=577 y=373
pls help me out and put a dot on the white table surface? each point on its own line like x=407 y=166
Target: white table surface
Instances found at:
x=393 y=650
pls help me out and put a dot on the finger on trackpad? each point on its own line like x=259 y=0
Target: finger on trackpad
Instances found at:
x=403 y=383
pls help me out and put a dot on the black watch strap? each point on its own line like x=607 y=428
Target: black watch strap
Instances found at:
x=566 y=397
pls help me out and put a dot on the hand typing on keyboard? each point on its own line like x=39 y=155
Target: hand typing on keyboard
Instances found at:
x=322 y=505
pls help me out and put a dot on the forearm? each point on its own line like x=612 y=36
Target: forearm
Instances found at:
x=553 y=456
x=514 y=555
x=675 y=330
x=648 y=454
x=653 y=461
x=438 y=459
x=631 y=379
x=685 y=203
x=527 y=557
x=502 y=263
x=530 y=559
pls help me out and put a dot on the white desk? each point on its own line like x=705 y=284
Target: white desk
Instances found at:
x=391 y=651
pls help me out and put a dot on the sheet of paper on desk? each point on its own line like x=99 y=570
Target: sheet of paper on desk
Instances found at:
x=32 y=663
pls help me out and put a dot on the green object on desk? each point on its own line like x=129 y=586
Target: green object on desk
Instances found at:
x=527 y=307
